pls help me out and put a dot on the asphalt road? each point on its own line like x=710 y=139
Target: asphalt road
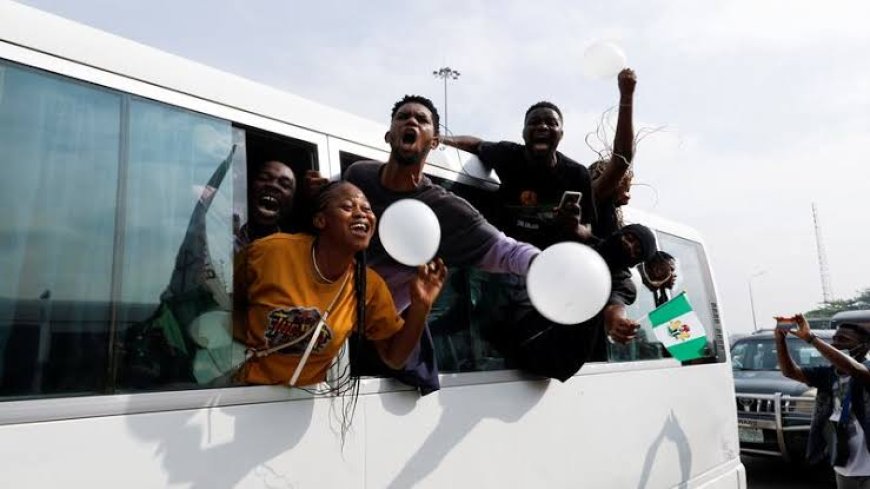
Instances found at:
x=769 y=473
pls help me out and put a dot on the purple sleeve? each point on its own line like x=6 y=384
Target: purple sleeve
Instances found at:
x=508 y=255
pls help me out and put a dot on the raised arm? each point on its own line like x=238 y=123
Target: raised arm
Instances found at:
x=465 y=143
x=787 y=365
x=425 y=287
x=838 y=359
x=623 y=140
x=508 y=255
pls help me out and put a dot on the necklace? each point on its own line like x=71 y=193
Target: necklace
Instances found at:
x=317 y=269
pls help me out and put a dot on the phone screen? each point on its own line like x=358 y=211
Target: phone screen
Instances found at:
x=788 y=325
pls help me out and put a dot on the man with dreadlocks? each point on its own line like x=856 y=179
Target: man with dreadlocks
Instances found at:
x=299 y=296
x=612 y=177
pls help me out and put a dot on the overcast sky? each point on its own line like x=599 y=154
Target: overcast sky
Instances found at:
x=765 y=104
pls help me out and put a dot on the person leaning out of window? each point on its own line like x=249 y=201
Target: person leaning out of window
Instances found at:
x=841 y=417
x=299 y=296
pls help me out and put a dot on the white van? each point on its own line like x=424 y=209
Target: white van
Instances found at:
x=106 y=148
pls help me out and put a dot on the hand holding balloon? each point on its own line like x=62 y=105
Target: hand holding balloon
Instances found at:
x=603 y=60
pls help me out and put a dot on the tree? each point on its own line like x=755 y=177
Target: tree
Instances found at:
x=860 y=301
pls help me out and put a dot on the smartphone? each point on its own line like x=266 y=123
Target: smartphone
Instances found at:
x=787 y=325
x=570 y=197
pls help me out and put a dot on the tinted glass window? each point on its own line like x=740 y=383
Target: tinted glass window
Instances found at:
x=177 y=246
x=465 y=316
x=761 y=354
x=60 y=150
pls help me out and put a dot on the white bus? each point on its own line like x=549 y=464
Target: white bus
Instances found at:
x=105 y=149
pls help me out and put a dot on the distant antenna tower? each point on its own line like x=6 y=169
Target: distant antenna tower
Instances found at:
x=823 y=258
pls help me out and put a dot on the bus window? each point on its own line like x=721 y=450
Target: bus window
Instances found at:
x=645 y=345
x=300 y=156
x=693 y=278
x=462 y=319
x=177 y=245
x=346 y=159
x=61 y=141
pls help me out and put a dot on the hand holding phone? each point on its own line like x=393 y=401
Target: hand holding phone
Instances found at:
x=786 y=325
x=569 y=198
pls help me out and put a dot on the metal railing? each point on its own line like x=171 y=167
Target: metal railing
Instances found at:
x=776 y=404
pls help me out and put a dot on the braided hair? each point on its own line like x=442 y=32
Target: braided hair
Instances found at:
x=596 y=170
x=349 y=380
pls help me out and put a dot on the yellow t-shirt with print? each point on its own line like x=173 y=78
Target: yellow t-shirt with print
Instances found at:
x=282 y=302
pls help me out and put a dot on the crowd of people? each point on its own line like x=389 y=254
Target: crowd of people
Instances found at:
x=299 y=297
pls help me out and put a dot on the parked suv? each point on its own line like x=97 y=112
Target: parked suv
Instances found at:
x=773 y=412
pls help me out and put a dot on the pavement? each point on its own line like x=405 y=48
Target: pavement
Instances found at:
x=772 y=473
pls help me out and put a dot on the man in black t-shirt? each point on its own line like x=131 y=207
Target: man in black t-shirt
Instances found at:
x=533 y=178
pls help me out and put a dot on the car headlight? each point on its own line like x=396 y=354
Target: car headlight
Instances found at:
x=807 y=406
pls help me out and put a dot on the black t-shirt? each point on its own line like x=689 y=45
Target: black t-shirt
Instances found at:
x=466 y=236
x=529 y=192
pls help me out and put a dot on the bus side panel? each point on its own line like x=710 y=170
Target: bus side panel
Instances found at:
x=649 y=428
x=279 y=444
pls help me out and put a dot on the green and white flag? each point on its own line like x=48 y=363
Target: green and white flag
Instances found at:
x=677 y=326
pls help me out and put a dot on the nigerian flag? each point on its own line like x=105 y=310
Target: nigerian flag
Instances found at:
x=677 y=326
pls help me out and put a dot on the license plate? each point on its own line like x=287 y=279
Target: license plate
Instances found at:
x=747 y=423
x=750 y=435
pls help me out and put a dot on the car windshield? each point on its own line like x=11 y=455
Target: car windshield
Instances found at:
x=760 y=354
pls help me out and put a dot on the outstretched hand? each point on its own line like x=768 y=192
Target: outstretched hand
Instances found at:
x=428 y=283
x=626 y=80
x=620 y=328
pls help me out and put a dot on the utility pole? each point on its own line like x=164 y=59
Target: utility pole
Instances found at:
x=445 y=73
x=823 y=258
x=752 y=298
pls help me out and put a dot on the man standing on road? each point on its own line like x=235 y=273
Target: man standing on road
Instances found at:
x=842 y=402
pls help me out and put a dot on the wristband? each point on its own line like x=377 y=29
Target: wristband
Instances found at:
x=811 y=338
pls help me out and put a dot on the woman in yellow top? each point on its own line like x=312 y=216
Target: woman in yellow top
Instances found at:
x=291 y=287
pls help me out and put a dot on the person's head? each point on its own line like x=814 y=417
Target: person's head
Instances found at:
x=622 y=195
x=272 y=192
x=854 y=338
x=542 y=129
x=343 y=216
x=660 y=271
x=413 y=130
x=628 y=246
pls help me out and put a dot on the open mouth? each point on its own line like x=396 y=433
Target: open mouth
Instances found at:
x=409 y=137
x=360 y=228
x=541 y=140
x=268 y=205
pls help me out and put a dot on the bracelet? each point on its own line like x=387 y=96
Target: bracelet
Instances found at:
x=811 y=338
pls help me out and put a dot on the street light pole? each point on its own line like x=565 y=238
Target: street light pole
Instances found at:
x=445 y=73
x=752 y=298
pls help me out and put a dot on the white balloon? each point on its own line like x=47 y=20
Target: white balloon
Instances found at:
x=603 y=60
x=410 y=232
x=568 y=283
x=212 y=329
